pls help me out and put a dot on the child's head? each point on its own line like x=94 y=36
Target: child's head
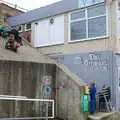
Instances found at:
x=11 y=37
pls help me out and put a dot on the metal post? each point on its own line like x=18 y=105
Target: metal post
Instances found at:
x=46 y=114
x=53 y=110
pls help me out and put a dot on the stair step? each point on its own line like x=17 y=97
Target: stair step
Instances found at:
x=99 y=116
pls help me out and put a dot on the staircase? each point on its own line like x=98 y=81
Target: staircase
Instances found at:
x=27 y=53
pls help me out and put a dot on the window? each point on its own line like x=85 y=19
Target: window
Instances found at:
x=97 y=27
x=88 y=23
x=85 y=3
x=78 y=15
x=28 y=27
x=21 y=28
x=78 y=30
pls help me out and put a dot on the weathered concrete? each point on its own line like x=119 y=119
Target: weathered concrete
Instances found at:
x=20 y=79
x=25 y=79
x=21 y=74
x=68 y=92
x=25 y=53
x=100 y=116
x=105 y=116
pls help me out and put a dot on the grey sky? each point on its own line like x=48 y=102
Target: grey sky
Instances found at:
x=31 y=4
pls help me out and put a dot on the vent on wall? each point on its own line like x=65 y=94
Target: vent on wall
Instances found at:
x=51 y=20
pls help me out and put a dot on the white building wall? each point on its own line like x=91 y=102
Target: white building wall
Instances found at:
x=47 y=34
x=118 y=24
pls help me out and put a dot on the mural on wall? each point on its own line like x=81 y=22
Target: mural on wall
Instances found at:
x=46 y=90
x=85 y=3
x=92 y=66
x=47 y=86
x=92 y=62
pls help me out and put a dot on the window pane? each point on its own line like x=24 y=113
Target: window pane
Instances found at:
x=23 y=27
x=84 y=3
x=78 y=15
x=97 y=27
x=97 y=10
x=28 y=26
x=78 y=30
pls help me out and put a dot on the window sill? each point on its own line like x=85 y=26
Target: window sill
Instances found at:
x=27 y=30
x=20 y=31
x=90 y=39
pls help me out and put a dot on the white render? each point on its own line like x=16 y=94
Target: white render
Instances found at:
x=46 y=34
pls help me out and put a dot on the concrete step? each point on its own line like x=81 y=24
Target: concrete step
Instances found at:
x=99 y=116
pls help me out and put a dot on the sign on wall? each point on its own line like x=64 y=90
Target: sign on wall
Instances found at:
x=85 y=3
x=93 y=62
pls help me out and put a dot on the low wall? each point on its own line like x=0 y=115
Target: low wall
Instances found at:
x=26 y=79
x=68 y=105
x=22 y=79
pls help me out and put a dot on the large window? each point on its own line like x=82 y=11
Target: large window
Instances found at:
x=88 y=23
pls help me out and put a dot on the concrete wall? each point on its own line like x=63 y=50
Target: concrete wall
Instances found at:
x=52 y=50
x=68 y=95
x=26 y=79
x=22 y=79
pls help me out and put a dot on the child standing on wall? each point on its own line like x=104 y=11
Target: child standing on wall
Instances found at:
x=15 y=32
x=11 y=44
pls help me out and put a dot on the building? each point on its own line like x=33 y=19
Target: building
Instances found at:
x=85 y=36
x=8 y=10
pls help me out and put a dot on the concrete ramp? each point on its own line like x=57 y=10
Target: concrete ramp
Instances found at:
x=25 y=53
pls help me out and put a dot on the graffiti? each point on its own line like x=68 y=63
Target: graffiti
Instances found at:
x=47 y=90
x=46 y=86
x=92 y=62
x=78 y=60
x=47 y=80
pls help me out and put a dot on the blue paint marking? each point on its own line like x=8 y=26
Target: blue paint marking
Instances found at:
x=47 y=90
